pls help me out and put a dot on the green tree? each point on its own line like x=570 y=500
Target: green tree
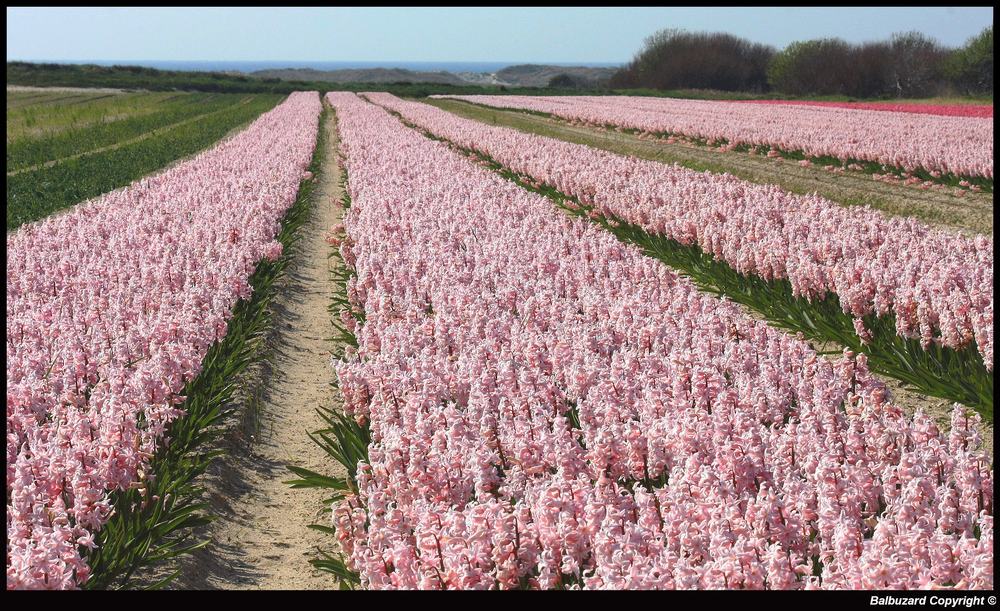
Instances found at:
x=831 y=66
x=970 y=68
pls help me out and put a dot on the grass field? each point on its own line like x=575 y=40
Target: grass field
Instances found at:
x=67 y=146
x=35 y=113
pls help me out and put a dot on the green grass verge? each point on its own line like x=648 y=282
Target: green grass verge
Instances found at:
x=37 y=193
x=46 y=115
x=153 y=527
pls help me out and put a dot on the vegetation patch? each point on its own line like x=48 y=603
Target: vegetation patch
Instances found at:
x=111 y=128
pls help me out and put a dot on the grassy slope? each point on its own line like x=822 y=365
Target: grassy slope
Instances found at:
x=48 y=114
x=56 y=75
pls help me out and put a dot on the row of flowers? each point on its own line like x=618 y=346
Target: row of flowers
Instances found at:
x=962 y=146
x=937 y=284
x=550 y=408
x=111 y=309
x=946 y=110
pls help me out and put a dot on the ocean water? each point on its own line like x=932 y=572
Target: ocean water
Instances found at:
x=251 y=66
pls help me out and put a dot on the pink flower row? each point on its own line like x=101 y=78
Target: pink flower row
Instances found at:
x=549 y=408
x=960 y=145
x=948 y=110
x=111 y=308
x=939 y=285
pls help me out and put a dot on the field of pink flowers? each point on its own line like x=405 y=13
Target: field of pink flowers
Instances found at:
x=947 y=110
x=111 y=309
x=550 y=408
x=937 y=284
x=962 y=146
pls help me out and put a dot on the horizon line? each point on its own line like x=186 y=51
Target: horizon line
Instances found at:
x=415 y=61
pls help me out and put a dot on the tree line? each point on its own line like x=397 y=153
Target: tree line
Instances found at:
x=908 y=65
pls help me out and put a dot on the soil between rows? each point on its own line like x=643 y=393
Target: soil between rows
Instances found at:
x=261 y=539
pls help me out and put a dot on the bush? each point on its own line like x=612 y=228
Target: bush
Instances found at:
x=832 y=66
x=908 y=65
x=566 y=81
x=675 y=59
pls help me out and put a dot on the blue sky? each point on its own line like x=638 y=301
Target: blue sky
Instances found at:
x=439 y=34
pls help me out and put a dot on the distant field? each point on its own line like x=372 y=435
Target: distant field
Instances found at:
x=961 y=109
x=66 y=146
x=933 y=150
x=972 y=212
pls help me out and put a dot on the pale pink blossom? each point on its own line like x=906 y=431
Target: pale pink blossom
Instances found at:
x=111 y=308
x=550 y=408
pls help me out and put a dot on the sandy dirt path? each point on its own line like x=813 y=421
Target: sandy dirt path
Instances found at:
x=261 y=539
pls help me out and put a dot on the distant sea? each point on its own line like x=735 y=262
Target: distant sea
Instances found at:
x=252 y=66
